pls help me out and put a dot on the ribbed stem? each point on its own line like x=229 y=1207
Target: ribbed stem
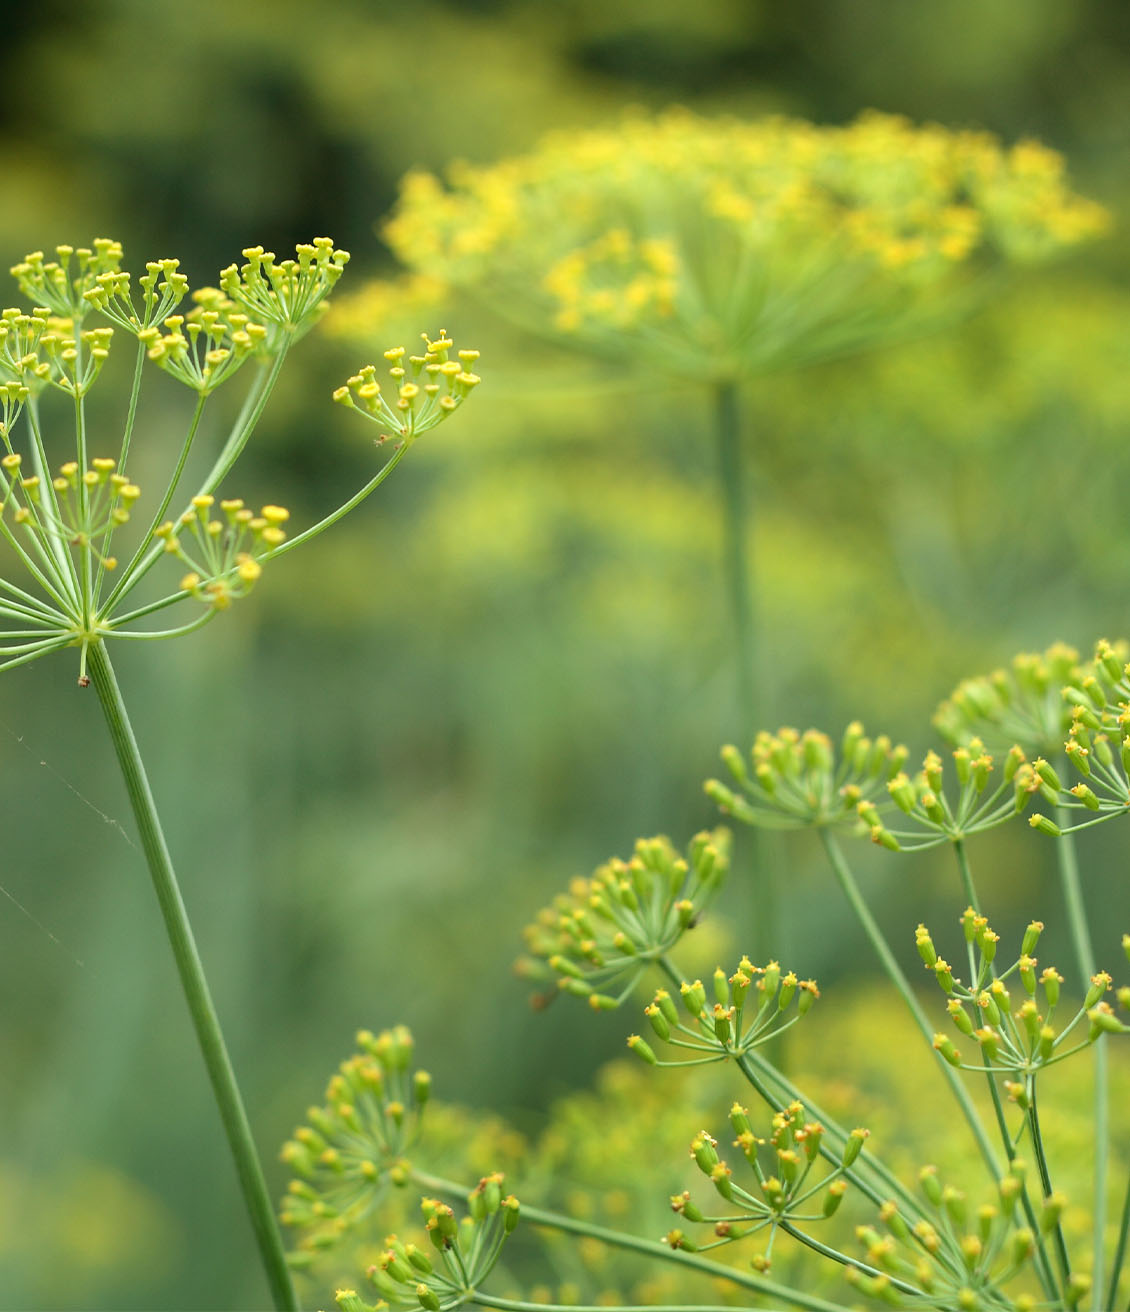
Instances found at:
x=193 y=982
x=737 y=513
x=736 y=503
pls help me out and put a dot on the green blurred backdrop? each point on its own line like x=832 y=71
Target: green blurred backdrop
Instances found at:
x=515 y=659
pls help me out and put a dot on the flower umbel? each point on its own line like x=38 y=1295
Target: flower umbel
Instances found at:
x=718 y=248
x=354 y=1145
x=606 y=931
x=61 y=528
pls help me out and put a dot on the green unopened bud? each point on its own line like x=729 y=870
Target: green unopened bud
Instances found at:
x=961 y=761
x=1044 y=825
x=720 y=1178
x=735 y=763
x=1051 y=979
x=893 y=1219
x=925 y=946
x=642 y=1049
x=853 y=1145
x=694 y=997
x=987 y=941
x=721 y=987
x=902 y=792
x=932 y=770
x=1094 y=690
x=1027 y=970
x=868 y=813
x=677 y=1239
x=1009 y=1189
x=1104 y=1021
x=769 y=980
x=1031 y=937
x=834 y=1197
x=418 y=1258
x=704 y=1151
x=422 y=1088
x=944 y=975
x=1086 y=795
x=667 y=1008
x=953 y=1200
x=884 y=838
x=603 y=1002
x=1078 y=1287
x=658 y=1021
x=944 y=1046
x=1022 y=1245
x=1052 y=1211
x=960 y=1017
x=989 y=1008
x=1100 y=983
x=990 y=1043
x=808 y=995
x=931 y=1186
x=685 y=1206
x=1017 y=1094
x=1046 y=1045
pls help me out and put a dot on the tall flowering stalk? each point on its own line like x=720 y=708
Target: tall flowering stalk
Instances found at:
x=65 y=520
x=713 y=251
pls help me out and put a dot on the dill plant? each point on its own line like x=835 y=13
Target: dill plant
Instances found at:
x=788 y=1184
x=705 y=253
x=68 y=506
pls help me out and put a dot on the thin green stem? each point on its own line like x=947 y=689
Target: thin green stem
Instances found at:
x=1085 y=959
x=139 y=563
x=1043 y=1261
x=516 y=1305
x=966 y=875
x=131 y=411
x=736 y=514
x=344 y=509
x=834 y=1255
x=1120 y=1250
x=245 y=423
x=1046 y=1185
x=851 y=891
x=205 y=617
x=193 y=982
x=123 y=452
x=52 y=517
x=736 y=504
x=649 y=1247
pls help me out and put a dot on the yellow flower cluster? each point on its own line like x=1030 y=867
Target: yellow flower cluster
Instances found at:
x=722 y=246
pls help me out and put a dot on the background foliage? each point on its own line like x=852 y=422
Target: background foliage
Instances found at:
x=517 y=659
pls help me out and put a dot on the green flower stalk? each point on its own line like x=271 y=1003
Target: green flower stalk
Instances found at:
x=64 y=585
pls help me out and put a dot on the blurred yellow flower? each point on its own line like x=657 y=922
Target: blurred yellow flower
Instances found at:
x=715 y=248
